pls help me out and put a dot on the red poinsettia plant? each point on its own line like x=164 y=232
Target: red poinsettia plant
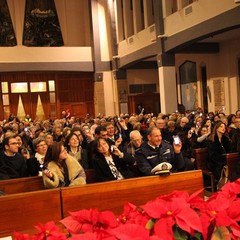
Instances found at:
x=173 y=216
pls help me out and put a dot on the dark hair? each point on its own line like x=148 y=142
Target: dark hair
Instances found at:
x=76 y=129
x=7 y=139
x=216 y=126
x=53 y=152
x=229 y=118
x=99 y=129
x=95 y=145
x=67 y=140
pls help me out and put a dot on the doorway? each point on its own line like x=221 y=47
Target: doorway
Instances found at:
x=149 y=101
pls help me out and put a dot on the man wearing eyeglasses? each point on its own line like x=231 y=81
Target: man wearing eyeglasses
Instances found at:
x=12 y=163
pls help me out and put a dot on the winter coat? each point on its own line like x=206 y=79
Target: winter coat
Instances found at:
x=76 y=174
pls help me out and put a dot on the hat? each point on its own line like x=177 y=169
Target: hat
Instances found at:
x=162 y=169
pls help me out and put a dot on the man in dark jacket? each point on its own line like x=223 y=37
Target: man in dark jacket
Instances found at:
x=156 y=151
x=13 y=164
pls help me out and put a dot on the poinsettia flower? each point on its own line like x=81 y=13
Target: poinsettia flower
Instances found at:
x=231 y=189
x=195 y=200
x=133 y=214
x=20 y=236
x=48 y=231
x=168 y=213
x=97 y=235
x=131 y=232
x=89 y=221
x=234 y=214
x=215 y=210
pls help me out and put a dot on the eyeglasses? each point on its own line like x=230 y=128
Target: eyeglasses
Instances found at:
x=42 y=145
x=13 y=143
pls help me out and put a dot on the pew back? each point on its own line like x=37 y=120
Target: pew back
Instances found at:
x=29 y=184
x=22 y=211
x=232 y=160
x=113 y=195
x=20 y=185
x=201 y=155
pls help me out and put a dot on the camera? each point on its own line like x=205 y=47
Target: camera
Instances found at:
x=25 y=151
x=176 y=139
x=43 y=167
x=120 y=135
x=112 y=148
x=25 y=129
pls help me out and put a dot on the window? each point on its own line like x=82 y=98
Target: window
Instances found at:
x=20 y=87
x=38 y=87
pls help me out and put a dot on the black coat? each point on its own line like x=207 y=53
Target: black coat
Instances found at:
x=216 y=152
x=103 y=171
x=33 y=166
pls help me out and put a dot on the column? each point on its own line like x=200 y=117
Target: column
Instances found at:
x=167 y=83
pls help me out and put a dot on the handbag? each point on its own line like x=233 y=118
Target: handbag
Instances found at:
x=224 y=177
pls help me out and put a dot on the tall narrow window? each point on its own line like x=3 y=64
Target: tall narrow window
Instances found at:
x=7 y=35
x=52 y=97
x=5 y=99
x=41 y=25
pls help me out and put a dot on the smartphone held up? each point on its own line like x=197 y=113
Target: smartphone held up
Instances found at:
x=176 y=139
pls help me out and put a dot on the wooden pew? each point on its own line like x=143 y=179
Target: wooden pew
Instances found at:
x=20 y=185
x=232 y=160
x=90 y=176
x=202 y=157
x=29 y=184
x=23 y=211
x=114 y=194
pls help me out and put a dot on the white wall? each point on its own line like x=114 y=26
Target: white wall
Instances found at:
x=222 y=66
x=74 y=21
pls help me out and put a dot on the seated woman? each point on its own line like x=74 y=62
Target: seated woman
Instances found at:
x=48 y=138
x=218 y=144
x=61 y=169
x=74 y=149
x=34 y=163
x=203 y=134
x=110 y=165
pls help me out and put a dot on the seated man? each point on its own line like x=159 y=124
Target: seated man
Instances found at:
x=13 y=164
x=156 y=151
x=133 y=146
x=135 y=143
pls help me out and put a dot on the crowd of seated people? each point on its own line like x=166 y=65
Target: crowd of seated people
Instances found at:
x=117 y=147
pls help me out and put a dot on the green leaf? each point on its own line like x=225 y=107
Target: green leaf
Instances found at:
x=179 y=234
x=198 y=236
x=150 y=224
